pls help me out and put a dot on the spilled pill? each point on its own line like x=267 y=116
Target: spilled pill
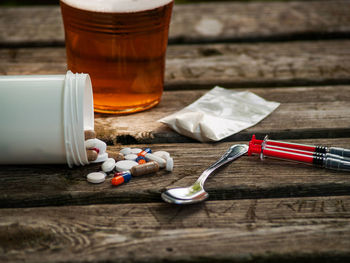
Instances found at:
x=91 y=155
x=117 y=156
x=144 y=152
x=96 y=150
x=135 y=150
x=89 y=134
x=137 y=162
x=147 y=168
x=162 y=154
x=90 y=143
x=160 y=161
x=108 y=165
x=125 y=151
x=140 y=160
x=120 y=178
x=96 y=177
x=125 y=165
x=131 y=157
x=101 y=145
x=169 y=164
x=96 y=143
x=101 y=158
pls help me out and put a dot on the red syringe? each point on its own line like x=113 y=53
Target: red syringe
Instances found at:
x=326 y=160
x=310 y=148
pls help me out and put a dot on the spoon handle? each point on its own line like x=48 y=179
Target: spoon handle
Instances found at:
x=233 y=153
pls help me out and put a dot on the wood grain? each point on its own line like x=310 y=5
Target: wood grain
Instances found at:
x=258 y=211
x=288 y=229
x=248 y=177
x=304 y=113
x=205 y=22
x=233 y=65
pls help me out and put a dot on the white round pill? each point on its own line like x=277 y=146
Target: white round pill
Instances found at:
x=89 y=144
x=136 y=150
x=162 y=154
x=160 y=161
x=96 y=143
x=125 y=165
x=96 y=177
x=130 y=156
x=101 y=158
x=108 y=165
x=125 y=151
x=101 y=145
x=169 y=164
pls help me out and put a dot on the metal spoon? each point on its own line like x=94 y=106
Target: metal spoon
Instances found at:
x=196 y=192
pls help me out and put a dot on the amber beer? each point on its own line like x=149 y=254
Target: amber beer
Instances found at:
x=122 y=45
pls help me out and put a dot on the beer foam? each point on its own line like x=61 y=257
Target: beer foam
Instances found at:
x=116 y=6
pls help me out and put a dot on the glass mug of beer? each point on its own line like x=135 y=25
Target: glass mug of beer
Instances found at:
x=122 y=45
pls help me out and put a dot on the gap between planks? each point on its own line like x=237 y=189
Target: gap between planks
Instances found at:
x=200 y=23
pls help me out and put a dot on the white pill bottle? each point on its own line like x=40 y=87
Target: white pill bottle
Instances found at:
x=43 y=118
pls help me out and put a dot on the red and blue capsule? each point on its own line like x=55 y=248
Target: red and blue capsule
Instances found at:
x=144 y=152
x=120 y=178
x=141 y=160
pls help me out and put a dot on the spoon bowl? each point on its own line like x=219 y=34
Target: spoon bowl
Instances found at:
x=196 y=192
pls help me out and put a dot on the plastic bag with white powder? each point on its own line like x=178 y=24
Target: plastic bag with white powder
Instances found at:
x=220 y=113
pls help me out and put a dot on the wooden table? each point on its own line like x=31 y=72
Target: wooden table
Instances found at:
x=296 y=53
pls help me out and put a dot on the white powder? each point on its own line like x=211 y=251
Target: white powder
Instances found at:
x=116 y=6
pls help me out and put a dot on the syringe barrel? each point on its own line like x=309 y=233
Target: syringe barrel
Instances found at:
x=291 y=145
x=339 y=151
x=269 y=152
x=336 y=164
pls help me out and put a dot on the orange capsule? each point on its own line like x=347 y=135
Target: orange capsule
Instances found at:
x=141 y=161
x=120 y=178
x=117 y=180
x=144 y=152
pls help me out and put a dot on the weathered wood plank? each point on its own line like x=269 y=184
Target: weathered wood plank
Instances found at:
x=259 y=64
x=260 y=21
x=289 y=230
x=311 y=112
x=232 y=65
x=322 y=114
x=248 y=177
x=205 y=22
